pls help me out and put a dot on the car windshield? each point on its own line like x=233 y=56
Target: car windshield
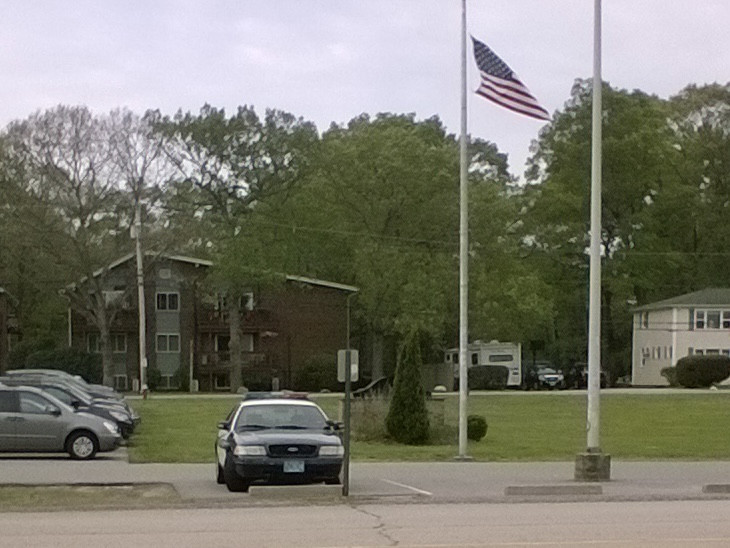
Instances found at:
x=293 y=417
x=547 y=370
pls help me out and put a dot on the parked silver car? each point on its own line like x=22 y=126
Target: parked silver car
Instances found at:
x=33 y=421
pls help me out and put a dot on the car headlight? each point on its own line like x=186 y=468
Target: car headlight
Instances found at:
x=119 y=416
x=249 y=451
x=113 y=428
x=331 y=451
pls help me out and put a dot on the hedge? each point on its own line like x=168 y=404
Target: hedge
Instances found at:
x=701 y=371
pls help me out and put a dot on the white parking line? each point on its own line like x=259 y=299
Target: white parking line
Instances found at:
x=419 y=491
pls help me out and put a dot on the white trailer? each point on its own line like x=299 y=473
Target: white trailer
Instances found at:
x=493 y=353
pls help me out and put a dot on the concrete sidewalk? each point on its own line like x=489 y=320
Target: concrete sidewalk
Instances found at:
x=408 y=482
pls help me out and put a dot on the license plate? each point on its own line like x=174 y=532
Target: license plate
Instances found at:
x=293 y=466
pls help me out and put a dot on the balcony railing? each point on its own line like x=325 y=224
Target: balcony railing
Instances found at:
x=221 y=359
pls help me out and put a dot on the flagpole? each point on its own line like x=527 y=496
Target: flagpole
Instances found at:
x=593 y=465
x=463 y=251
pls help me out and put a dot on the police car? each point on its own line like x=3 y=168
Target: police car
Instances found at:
x=277 y=438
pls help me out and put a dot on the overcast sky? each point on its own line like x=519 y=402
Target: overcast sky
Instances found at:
x=329 y=61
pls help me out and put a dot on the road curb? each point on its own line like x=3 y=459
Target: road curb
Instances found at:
x=552 y=490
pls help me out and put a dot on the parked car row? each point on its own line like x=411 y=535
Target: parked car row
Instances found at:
x=43 y=410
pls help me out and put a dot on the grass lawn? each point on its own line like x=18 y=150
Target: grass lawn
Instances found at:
x=535 y=426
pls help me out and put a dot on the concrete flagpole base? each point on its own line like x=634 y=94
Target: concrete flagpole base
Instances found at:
x=592 y=466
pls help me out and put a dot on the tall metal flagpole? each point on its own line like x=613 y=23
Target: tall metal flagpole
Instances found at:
x=593 y=465
x=463 y=250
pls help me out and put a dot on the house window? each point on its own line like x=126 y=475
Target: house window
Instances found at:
x=168 y=381
x=93 y=343
x=726 y=351
x=645 y=320
x=699 y=352
x=119 y=343
x=475 y=359
x=168 y=343
x=714 y=351
x=168 y=301
x=712 y=319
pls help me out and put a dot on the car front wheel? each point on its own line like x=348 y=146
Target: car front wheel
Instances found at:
x=82 y=445
x=233 y=481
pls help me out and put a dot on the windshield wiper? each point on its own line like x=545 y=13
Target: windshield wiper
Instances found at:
x=291 y=427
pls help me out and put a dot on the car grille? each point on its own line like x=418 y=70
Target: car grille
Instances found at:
x=292 y=450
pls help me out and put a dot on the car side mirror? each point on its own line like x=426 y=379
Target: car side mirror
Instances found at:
x=335 y=425
x=76 y=404
x=224 y=425
x=52 y=410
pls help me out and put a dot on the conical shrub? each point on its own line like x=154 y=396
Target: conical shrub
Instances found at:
x=407 y=420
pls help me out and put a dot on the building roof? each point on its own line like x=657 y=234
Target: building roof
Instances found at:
x=714 y=296
x=205 y=262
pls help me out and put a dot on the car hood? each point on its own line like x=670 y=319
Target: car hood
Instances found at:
x=275 y=436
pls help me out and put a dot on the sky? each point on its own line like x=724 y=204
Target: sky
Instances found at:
x=330 y=61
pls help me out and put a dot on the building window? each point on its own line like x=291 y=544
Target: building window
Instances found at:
x=221 y=381
x=645 y=320
x=475 y=359
x=120 y=382
x=168 y=301
x=168 y=343
x=119 y=343
x=714 y=351
x=712 y=319
x=93 y=343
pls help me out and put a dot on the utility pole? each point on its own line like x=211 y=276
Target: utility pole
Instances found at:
x=141 y=301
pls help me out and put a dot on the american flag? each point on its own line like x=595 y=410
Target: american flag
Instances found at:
x=501 y=85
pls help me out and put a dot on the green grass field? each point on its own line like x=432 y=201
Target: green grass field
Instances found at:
x=541 y=426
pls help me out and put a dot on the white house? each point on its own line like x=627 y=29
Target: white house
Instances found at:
x=665 y=331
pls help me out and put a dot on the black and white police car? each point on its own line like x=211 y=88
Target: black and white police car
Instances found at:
x=280 y=439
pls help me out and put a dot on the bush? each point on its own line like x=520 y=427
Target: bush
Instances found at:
x=154 y=378
x=181 y=379
x=18 y=356
x=71 y=360
x=699 y=371
x=670 y=373
x=476 y=427
x=407 y=420
x=317 y=373
x=488 y=377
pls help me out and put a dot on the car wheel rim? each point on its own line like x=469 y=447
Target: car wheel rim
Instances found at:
x=83 y=446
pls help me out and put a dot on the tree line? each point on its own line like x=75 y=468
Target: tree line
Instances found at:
x=374 y=203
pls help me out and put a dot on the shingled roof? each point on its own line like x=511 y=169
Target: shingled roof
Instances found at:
x=713 y=296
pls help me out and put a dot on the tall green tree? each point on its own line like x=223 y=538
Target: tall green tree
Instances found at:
x=76 y=194
x=637 y=166
x=227 y=168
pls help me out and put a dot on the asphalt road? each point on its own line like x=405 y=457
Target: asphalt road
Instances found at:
x=650 y=524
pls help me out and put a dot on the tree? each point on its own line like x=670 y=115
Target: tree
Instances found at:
x=380 y=211
x=227 y=168
x=407 y=420
x=76 y=197
x=637 y=166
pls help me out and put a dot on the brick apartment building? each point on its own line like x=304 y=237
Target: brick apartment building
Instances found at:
x=187 y=326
